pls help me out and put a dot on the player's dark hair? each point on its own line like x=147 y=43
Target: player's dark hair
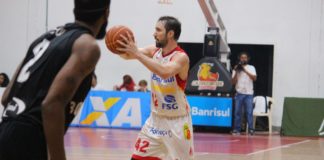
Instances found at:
x=90 y=11
x=172 y=24
x=5 y=81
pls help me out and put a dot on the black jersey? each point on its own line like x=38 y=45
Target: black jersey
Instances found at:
x=44 y=59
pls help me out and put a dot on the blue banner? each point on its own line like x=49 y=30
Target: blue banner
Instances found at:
x=131 y=109
x=211 y=111
x=115 y=109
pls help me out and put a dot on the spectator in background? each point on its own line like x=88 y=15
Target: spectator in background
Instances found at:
x=128 y=84
x=243 y=77
x=4 y=80
x=142 y=86
x=94 y=81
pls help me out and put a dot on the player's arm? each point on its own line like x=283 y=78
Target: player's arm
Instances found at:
x=179 y=62
x=252 y=76
x=147 y=51
x=5 y=95
x=84 y=57
x=234 y=76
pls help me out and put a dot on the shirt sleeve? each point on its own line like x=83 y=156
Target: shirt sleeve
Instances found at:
x=252 y=70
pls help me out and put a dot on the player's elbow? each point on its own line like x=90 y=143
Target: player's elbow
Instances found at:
x=52 y=107
x=46 y=108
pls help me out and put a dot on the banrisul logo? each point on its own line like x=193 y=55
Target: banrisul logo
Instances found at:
x=169 y=103
x=195 y=111
x=163 y=81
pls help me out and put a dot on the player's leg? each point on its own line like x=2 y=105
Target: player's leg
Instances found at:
x=238 y=113
x=149 y=144
x=19 y=140
x=180 y=144
x=248 y=104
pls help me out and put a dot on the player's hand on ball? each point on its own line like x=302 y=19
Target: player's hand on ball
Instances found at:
x=129 y=47
x=126 y=56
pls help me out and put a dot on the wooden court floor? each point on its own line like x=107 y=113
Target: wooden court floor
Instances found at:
x=117 y=144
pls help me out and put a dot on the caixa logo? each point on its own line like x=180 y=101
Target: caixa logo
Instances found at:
x=125 y=112
x=170 y=103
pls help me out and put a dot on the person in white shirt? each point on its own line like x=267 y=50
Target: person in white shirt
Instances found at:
x=243 y=77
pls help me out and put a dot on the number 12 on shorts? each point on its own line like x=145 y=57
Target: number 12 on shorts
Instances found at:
x=141 y=145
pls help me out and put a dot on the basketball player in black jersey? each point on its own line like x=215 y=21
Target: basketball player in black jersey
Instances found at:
x=50 y=84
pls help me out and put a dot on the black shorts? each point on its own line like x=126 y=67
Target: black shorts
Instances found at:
x=22 y=141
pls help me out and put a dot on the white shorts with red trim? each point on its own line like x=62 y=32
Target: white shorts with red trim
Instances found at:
x=163 y=138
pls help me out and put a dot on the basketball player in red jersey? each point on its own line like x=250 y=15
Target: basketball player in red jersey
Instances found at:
x=167 y=133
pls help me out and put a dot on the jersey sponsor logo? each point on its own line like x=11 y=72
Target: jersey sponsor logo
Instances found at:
x=207 y=79
x=14 y=108
x=160 y=132
x=170 y=99
x=163 y=81
x=186 y=131
x=170 y=103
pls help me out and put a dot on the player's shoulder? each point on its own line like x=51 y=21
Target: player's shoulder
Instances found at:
x=86 y=43
x=86 y=48
x=181 y=53
x=151 y=50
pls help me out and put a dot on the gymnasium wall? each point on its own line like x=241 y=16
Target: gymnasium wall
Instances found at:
x=295 y=27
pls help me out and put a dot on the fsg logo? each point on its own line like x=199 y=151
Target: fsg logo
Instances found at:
x=170 y=103
x=122 y=112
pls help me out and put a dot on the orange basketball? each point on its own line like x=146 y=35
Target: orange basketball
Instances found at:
x=113 y=35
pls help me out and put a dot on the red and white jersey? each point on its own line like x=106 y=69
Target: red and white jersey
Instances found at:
x=168 y=97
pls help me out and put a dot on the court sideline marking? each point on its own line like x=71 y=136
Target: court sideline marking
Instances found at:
x=279 y=147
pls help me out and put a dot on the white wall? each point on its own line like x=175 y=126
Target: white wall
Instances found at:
x=21 y=22
x=295 y=27
x=140 y=16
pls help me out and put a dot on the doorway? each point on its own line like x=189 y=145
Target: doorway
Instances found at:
x=262 y=60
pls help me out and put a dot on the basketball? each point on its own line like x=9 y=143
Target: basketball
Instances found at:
x=114 y=34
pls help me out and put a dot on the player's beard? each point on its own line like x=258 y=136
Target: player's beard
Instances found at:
x=102 y=31
x=161 y=43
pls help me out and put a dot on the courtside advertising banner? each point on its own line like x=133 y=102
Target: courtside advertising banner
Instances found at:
x=114 y=109
x=211 y=111
x=131 y=109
